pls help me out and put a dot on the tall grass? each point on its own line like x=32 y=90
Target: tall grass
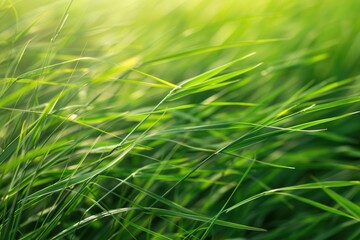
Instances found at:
x=179 y=119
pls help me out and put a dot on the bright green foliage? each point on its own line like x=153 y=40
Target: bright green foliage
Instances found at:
x=202 y=119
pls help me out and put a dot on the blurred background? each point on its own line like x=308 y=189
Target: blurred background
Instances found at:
x=76 y=77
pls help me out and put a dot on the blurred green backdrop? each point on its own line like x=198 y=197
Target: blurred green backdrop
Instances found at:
x=118 y=123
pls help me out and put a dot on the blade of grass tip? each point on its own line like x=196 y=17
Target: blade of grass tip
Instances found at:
x=188 y=91
x=325 y=120
x=221 y=78
x=19 y=36
x=211 y=83
x=155 y=78
x=204 y=76
x=318 y=205
x=349 y=206
x=328 y=87
x=329 y=184
x=82 y=123
x=142 y=83
x=241 y=142
x=20 y=57
x=260 y=162
x=336 y=103
x=170 y=109
x=227 y=201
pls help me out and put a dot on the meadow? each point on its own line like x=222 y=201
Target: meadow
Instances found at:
x=181 y=119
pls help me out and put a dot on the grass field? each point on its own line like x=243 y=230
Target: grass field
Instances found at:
x=181 y=119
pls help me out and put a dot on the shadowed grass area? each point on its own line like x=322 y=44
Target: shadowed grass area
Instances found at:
x=179 y=119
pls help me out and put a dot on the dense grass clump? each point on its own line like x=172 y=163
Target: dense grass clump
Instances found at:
x=179 y=119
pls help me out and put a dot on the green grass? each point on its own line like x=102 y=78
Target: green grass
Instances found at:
x=179 y=119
